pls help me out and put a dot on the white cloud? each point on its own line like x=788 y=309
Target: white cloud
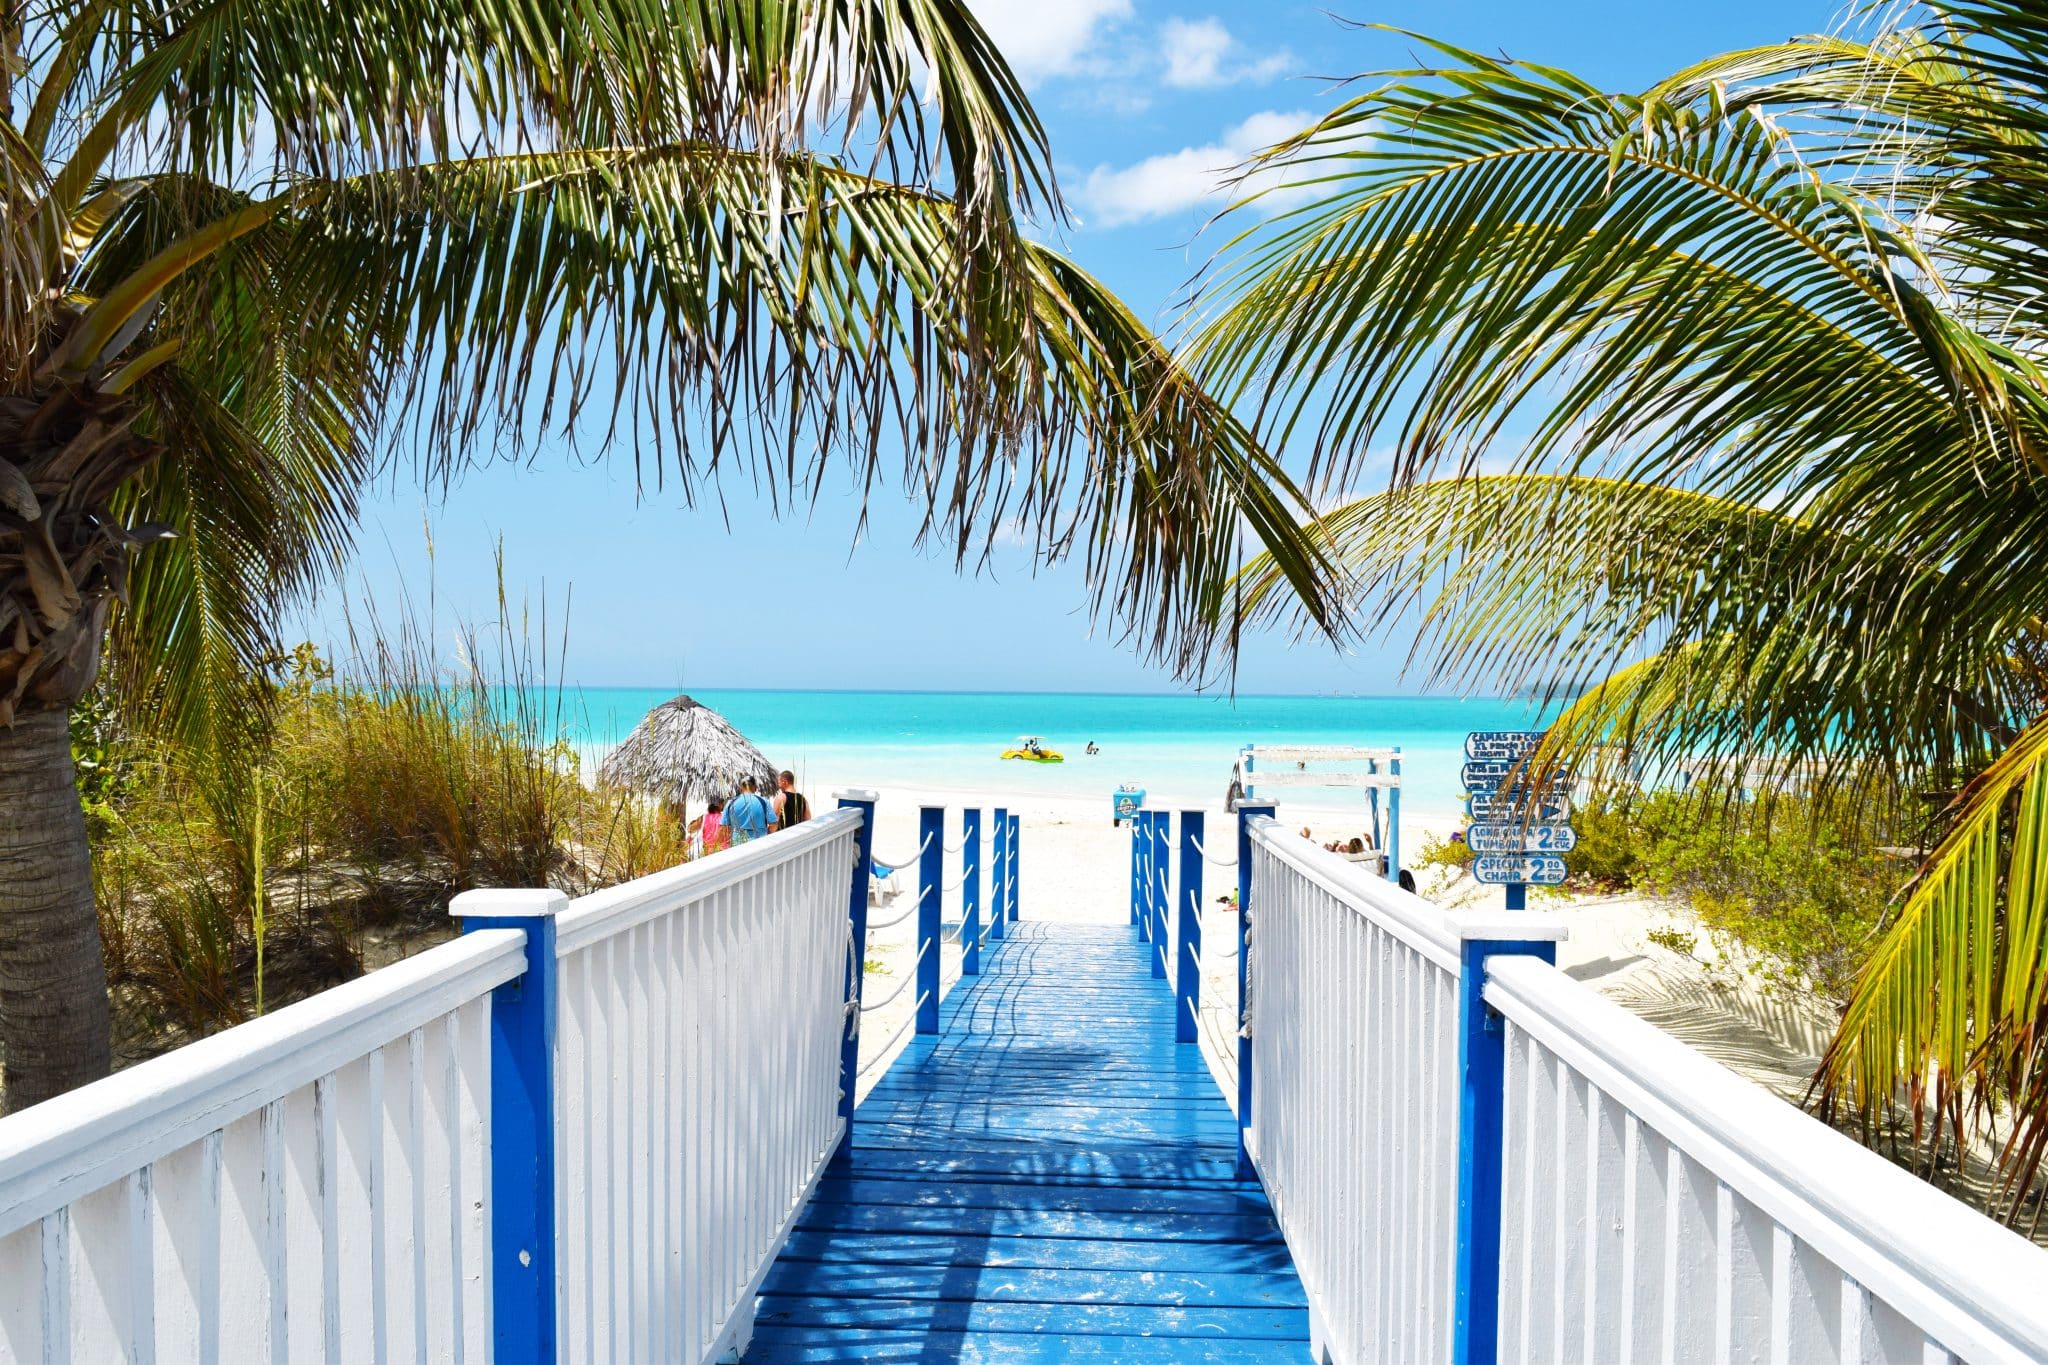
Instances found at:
x=1200 y=53
x=1160 y=186
x=1047 y=37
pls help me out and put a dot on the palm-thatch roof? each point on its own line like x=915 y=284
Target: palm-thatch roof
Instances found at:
x=683 y=750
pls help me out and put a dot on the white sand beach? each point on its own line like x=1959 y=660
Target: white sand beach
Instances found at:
x=1075 y=866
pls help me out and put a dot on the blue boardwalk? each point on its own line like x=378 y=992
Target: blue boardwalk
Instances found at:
x=1048 y=1178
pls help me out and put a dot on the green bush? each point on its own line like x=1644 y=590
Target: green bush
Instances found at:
x=1801 y=887
x=237 y=882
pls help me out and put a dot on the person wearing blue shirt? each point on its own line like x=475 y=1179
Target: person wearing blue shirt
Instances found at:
x=747 y=815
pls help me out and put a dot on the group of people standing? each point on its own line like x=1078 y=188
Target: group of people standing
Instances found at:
x=752 y=814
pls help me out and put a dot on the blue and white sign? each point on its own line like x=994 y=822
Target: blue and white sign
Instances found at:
x=1511 y=808
x=1487 y=774
x=1501 y=745
x=1503 y=869
x=1126 y=802
x=1516 y=838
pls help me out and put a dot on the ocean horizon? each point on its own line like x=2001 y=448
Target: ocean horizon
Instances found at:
x=1180 y=747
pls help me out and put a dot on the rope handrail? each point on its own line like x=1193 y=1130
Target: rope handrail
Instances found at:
x=894 y=1038
x=986 y=930
x=1231 y=861
x=952 y=935
x=1196 y=954
x=902 y=985
x=956 y=883
x=892 y=923
x=955 y=848
x=874 y=856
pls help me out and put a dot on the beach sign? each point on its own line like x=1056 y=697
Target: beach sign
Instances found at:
x=1501 y=745
x=1126 y=802
x=1507 y=869
x=1490 y=773
x=1520 y=832
x=1512 y=808
x=1518 y=838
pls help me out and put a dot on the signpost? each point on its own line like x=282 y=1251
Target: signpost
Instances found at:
x=1507 y=869
x=1519 y=832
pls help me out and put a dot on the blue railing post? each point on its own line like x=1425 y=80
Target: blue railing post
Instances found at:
x=970 y=892
x=1162 y=865
x=1482 y=1071
x=1136 y=826
x=1016 y=847
x=1245 y=815
x=931 y=876
x=526 y=1293
x=999 y=887
x=1187 y=978
x=1394 y=820
x=857 y=912
x=1142 y=844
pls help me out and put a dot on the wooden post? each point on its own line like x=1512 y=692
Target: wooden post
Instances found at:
x=1394 y=820
x=931 y=876
x=970 y=892
x=1016 y=861
x=1188 y=970
x=1482 y=1072
x=999 y=885
x=857 y=912
x=524 y=1194
x=1134 y=824
x=1162 y=861
x=1141 y=851
x=1246 y=813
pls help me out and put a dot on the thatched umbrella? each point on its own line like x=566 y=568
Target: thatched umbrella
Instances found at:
x=683 y=749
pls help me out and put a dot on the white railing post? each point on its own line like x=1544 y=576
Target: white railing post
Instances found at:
x=525 y=1291
x=1482 y=1078
x=857 y=913
x=1246 y=813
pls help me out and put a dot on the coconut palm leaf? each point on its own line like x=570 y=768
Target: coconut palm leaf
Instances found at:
x=1762 y=349
x=1747 y=631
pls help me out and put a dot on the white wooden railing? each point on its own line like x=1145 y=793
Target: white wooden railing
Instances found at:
x=1474 y=1157
x=308 y=1186
x=1662 y=1208
x=702 y=1012
x=1354 y=995
x=580 y=1132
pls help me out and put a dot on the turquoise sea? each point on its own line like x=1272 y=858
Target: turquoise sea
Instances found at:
x=1178 y=747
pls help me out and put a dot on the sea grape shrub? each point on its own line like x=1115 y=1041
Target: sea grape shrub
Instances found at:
x=1799 y=887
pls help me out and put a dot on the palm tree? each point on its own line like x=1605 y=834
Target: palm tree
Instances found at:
x=251 y=252
x=1719 y=408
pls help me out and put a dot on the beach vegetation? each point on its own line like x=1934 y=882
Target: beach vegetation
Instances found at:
x=253 y=255
x=386 y=784
x=1717 y=415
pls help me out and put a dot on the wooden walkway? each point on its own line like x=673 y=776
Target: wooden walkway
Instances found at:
x=1047 y=1178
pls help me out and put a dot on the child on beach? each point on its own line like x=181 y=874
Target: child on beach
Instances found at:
x=711 y=829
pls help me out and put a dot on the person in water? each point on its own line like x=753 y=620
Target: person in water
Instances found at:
x=1091 y=748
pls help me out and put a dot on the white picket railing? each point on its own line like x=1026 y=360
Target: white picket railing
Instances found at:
x=698 y=1079
x=305 y=1186
x=1625 y=1197
x=1353 y=994
x=1659 y=1207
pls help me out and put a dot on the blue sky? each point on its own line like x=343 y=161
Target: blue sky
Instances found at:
x=1145 y=101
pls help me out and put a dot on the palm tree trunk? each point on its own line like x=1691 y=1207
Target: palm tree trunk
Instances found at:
x=53 y=983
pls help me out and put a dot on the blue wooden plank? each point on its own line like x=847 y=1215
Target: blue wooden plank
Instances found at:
x=976 y=1283
x=1049 y=1177
x=996 y=1315
x=1044 y=1253
x=804 y=1345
